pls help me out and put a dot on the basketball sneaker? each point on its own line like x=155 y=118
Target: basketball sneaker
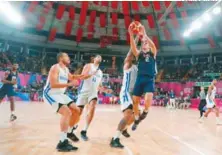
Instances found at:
x=73 y=137
x=65 y=146
x=84 y=135
x=125 y=134
x=116 y=143
x=201 y=120
x=135 y=124
x=13 y=117
x=143 y=116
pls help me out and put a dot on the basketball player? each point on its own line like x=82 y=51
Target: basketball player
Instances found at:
x=211 y=103
x=88 y=92
x=53 y=94
x=9 y=83
x=146 y=74
x=129 y=79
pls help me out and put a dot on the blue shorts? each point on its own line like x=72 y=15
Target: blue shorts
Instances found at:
x=7 y=91
x=144 y=84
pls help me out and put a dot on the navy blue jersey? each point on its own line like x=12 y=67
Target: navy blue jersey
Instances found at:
x=147 y=64
x=11 y=76
x=172 y=95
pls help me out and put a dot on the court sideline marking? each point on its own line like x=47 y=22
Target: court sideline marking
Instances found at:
x=180 y=141
x=129 y=152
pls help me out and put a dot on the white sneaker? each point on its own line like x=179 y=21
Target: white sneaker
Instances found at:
x=201 y=120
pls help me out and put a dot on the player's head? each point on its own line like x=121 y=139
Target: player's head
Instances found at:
x=15 y=66
x=214 y=81
x=97 y=59
x=63 y=58
x=130 y=57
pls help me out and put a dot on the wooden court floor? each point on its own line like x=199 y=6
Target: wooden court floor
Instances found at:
x=164 y=132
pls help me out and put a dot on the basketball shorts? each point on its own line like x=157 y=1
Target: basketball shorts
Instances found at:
x=125 y=100
x=144 y=84
x=202 y=104
x=57 y=100
x=85 y=98
x=7 y=91
x=210 y=103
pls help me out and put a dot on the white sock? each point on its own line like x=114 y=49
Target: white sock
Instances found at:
x=118 y=134
x=136 y=117
x=63 y=136
x=86 y=127
x=13 y=112
x=70 y=129
x=217 y=119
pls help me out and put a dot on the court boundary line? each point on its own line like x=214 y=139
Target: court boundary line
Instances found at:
x=129 y=152
x=180 y=141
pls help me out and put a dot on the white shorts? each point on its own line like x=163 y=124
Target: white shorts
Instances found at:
x=125 y=100
x=84 y=99
x=55 y=99
x=210 y=103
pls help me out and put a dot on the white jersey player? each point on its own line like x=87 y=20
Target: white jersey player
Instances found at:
x=211 y=103
x=88 y=91
x=129 y=78
x=53 y=94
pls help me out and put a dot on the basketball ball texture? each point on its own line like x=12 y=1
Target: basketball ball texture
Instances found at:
x=135 y=27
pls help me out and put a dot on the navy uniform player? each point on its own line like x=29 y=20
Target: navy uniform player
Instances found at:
x=145 y=82
x=9 y=82
x=129 y=78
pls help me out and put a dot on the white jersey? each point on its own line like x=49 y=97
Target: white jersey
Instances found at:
x=213 y=93
x=91 y=84
x=62 y=78
x=129 y=79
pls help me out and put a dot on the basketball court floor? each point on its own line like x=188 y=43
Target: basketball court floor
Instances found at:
x=164 y=132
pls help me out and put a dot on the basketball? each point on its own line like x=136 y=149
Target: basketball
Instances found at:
x=135 y=27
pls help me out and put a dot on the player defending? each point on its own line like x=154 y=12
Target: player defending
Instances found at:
x=146 y=73
x=129 y=79
x=211 y=103
x=53 y=94
x=9 y=82
x=88 y=91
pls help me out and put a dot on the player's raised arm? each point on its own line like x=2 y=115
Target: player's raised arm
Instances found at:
x=53 y=78
x=152 y=46
x=133 y=46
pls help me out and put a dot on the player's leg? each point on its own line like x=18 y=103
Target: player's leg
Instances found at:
x=11 y=95
x=89 y=117
x=74 y=119
x=124 y=122
x=63 y=144
x=137 y=93
x=76 y=114
x=13 y=117
x=217 y=112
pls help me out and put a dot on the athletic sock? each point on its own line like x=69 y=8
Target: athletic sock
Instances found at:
x=63 y=136
x=118 y=134
x=13 y=112
x=86 y=127
x=70 y=130
x=136 y=117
